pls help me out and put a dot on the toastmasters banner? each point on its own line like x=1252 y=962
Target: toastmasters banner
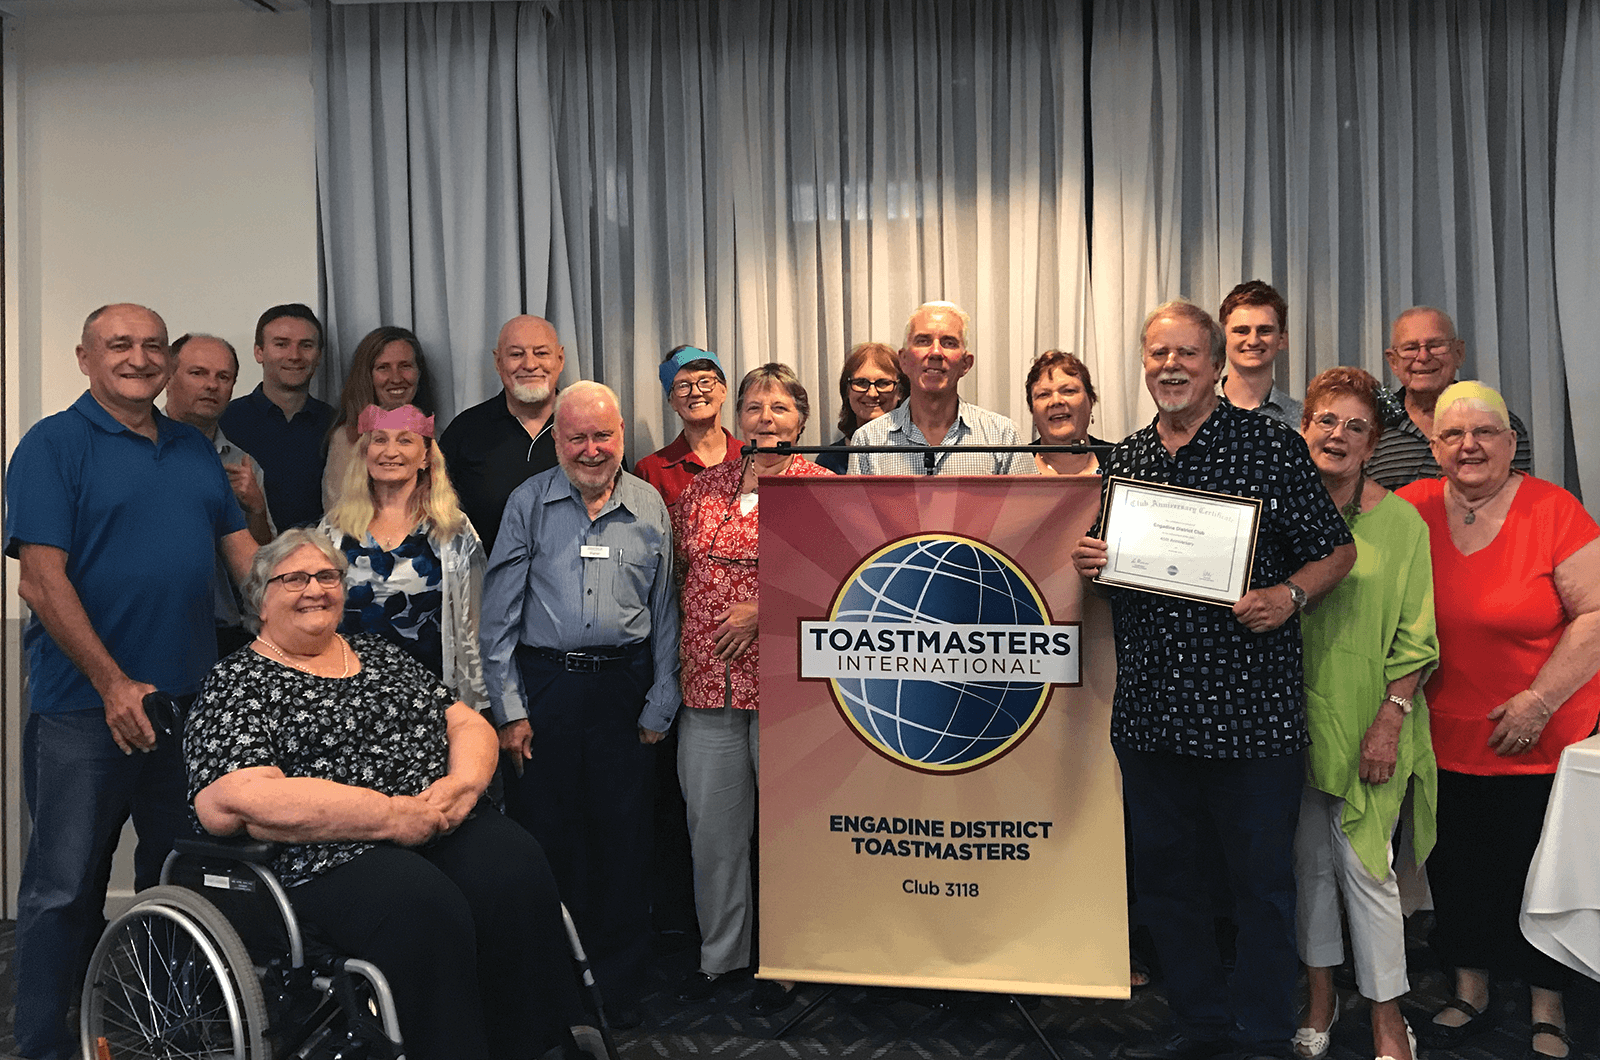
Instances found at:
x=939 y=800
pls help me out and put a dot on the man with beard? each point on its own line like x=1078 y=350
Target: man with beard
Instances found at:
x=496 y=446
x=580 y=638
x=1208 y=720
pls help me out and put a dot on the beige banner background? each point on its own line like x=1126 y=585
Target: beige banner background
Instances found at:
x=1055 y=923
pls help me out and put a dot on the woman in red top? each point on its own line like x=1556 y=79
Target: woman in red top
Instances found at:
x=714 y=528
x=1516 y=574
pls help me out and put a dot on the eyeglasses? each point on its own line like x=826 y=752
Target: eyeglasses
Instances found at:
x=296 y=580
x=861 y=385
x=1328 y=422
x=705 y=384
x=1453 y=437
x=1415 y=351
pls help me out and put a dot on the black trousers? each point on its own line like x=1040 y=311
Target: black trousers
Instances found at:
x=1488 y=831
x=587 y=795
x=468 y=932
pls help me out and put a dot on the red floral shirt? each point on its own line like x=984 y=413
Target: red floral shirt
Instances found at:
x=708 y=513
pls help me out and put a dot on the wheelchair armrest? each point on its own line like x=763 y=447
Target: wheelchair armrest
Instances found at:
x=232 y=848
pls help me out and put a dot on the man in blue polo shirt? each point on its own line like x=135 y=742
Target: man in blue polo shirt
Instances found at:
x=279 y=422
x=115 y=512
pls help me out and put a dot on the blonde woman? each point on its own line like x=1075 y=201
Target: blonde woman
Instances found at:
x=416 y=564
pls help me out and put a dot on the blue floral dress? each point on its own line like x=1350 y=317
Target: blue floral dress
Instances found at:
x=397 y=594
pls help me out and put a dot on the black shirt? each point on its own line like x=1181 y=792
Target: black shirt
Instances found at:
x=488 y=454
x=1191 y=678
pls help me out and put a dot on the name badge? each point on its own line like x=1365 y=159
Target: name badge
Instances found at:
x=595 y=551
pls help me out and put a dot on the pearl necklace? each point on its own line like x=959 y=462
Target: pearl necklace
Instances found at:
x=344 y=656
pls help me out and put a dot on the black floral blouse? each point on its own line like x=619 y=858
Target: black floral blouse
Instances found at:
x=382 y=728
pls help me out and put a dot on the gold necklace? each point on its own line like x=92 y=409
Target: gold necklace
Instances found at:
x=344 y=656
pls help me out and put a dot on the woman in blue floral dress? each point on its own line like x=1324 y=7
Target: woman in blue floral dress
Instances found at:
x=416 y=563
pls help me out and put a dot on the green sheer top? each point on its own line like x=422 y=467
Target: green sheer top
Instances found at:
x=1376 y=626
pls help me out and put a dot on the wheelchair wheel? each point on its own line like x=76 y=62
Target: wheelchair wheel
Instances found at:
x=171 y=979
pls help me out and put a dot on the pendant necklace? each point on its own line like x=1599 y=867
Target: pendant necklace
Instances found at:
x=1352 y=507
x=1472 y=509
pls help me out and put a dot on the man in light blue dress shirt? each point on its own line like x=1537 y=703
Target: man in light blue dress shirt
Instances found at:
x=580 y=645
x=934 y=358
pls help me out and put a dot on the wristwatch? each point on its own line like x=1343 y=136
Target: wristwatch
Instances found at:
x=1296 y=594
x=1400 y=701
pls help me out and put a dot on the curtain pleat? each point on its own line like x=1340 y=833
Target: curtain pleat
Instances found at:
x=781 y=180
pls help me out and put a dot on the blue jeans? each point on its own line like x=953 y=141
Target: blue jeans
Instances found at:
x=1253 y=806
x=80 y=790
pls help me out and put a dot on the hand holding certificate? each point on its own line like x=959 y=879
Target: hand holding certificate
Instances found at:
x=1176 y=541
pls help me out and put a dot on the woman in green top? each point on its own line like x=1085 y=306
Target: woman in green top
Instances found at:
x=1368 y=646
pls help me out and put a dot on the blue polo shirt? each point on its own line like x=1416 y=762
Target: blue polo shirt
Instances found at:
x=139 y=522
x=290 y=452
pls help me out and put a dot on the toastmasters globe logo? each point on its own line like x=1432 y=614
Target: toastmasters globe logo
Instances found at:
x=940 y=652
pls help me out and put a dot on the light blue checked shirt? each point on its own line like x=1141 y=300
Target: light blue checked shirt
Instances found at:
x=973 y=426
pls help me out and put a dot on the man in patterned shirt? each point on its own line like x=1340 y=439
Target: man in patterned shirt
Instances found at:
x=1209 y=717
x=935 y=357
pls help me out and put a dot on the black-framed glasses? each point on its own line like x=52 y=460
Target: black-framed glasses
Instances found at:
x=1328 y=422
x=861 y=385
x=1415 y=351
x=705 y=384
x=296 y=580
x=1453 y=437
x=711 y=551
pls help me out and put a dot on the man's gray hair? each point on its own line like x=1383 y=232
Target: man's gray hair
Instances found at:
x=274 y=552
x=1420 y=310
x=966 y=322
x=581 y=387
x=183 y=340
x=1183 y=309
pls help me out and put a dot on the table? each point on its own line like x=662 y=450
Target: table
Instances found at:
x=1561 y=903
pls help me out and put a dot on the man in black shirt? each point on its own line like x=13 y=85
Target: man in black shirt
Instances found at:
x=493 y=447
x=1208 y=720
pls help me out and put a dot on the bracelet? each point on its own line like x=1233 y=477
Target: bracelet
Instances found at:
x=1401 y=702
x=1542 y=702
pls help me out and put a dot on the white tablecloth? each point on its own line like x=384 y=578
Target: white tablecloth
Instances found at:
x=1561 y=904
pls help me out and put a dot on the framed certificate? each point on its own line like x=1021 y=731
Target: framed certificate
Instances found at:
x=1176 y=541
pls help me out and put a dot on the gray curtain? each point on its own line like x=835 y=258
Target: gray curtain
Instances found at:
x=780 y=180
x=436 y=180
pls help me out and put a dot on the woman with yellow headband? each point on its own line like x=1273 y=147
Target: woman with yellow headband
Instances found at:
x=1516 y=574
x=416 y=564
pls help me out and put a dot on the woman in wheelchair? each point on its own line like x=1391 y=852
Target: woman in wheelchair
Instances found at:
x=371 y=773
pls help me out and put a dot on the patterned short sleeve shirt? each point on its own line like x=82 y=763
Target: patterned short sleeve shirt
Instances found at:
x=1191 y=678
x=383 y=728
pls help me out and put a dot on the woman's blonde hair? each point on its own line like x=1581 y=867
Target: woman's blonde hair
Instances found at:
x=434 y=501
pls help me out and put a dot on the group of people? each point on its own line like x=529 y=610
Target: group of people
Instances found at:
x=508 y=567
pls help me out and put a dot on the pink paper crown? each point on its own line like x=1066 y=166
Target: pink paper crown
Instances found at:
x=404 y=418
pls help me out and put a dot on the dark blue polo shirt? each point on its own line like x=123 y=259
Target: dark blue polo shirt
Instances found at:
x=290 y=452
x=139 y=522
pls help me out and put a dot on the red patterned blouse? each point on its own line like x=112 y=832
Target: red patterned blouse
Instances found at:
x=716 y=542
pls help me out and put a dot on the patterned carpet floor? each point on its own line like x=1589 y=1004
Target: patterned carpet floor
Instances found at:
x=881 y=1024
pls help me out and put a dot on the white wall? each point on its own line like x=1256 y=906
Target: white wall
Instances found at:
x=165 y=158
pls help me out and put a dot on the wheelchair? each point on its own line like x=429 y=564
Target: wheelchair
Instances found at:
x=212 y=963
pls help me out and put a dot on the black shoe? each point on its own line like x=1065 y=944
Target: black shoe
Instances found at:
x=1177 y=1047
x=697 y=986
x=1442 y=1036
x=624 y=1017
x=770 y=998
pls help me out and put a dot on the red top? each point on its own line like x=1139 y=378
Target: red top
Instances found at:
x=710 y=512
x=1499 y=619
x=670 y=470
